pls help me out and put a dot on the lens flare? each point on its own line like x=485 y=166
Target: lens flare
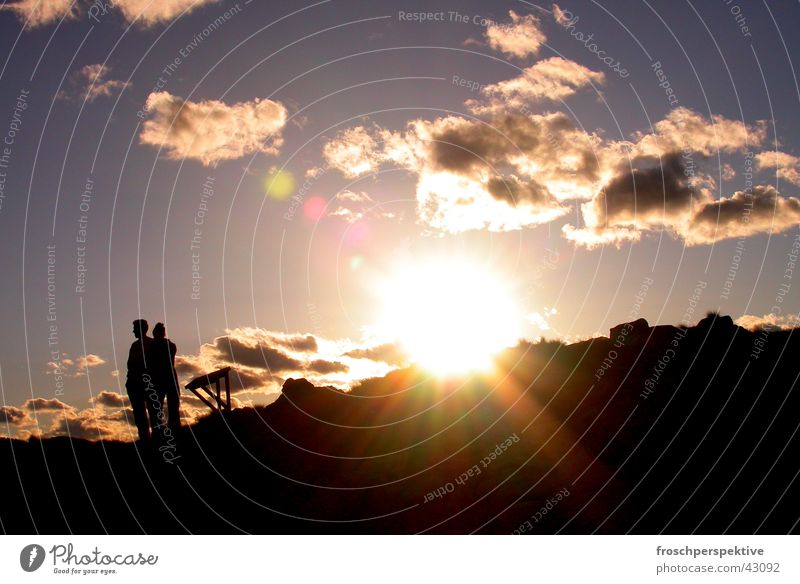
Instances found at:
x=279 y=185
x=314 y=208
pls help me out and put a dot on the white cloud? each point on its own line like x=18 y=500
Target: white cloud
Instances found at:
x=787 y=166
x=152 y=12
x=519 y=38
x=552 y=79
x=211 y=131
x=77 y=367
x=353 y=153
x=769 y=322
x=685 y=129
x=354 y=206
x=38 y=13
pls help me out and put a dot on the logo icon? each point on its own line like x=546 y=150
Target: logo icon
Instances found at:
x=31 y=557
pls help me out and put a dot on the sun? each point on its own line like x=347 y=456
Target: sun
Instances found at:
x=449 y=315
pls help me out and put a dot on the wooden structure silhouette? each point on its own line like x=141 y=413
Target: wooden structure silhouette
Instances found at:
x=213 y=399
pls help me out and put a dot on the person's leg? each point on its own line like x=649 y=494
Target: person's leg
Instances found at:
x=137 y=399
x=155 y=409
x=174 y=407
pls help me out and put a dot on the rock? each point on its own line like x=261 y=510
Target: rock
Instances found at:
x=630 y=329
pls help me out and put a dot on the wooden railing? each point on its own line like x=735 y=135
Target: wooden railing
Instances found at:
x=213 y=399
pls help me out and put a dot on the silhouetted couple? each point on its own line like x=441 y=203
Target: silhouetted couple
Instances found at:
x=151 y=378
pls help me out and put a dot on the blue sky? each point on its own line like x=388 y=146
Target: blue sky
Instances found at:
x=151 y=103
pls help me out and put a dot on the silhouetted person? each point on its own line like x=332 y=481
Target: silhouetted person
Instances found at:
x=161 y=360
x=141 y=390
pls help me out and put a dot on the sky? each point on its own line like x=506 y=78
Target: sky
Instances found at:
x=257 y=174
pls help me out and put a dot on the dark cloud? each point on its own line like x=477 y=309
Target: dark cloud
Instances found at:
x=460 y=145
x=744 y=214
x=513 y=191
x=652 y=185
x=248 y=380
x=80 y=427
x=388 y=353
x=260 y=355
x=12 y=415
x=124 y=415
x=94 y=424
x=187 y=367
x=323 y=367
x=299 y=343
x=40 y=404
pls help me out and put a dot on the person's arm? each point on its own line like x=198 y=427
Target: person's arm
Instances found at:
x=131 y=358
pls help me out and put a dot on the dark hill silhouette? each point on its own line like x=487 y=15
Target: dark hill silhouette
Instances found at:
x=653 y=429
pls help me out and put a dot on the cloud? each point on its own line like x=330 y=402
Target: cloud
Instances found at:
x=94 y=424
x=507 y=171
x=355 y=206
x=323 y=367
x=110 y=399
x=688 y=131
x=40 y=404
x=255 y=354
x=653 y=192
x=552 y=79
x=769 y=322
x=211 y=131
x=86 y=361
x=666 y=196
x=354 y=152
x=75 y=367
x=153 y=12
x=13 y=416
x=36 y=13
x=90 y=82
x=148 y=13
x=655 y=182
x=727 y=172
x=519 y=38
x=744 y=214
x=387 y=352
x=787 y=166
x=304 y=343
x=498 y=175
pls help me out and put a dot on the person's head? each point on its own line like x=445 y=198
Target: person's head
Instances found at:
x=159 y=331
x=140 y=328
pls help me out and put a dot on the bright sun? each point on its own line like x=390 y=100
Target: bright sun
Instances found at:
x=450 y=316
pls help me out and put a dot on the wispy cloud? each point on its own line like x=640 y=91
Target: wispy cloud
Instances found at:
x=91 y=82
x=787 y=166
x=519 y=38
x=36 y=13
x=552 y=79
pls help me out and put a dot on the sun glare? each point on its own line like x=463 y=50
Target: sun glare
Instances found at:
x=449 y=316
